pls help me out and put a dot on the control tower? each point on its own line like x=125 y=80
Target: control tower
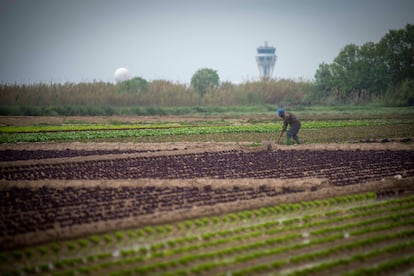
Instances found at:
x=266 y=59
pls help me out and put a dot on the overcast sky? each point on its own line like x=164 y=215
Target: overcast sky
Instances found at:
x=87 y=40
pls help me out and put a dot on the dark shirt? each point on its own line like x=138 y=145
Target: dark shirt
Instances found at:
x=290 y=119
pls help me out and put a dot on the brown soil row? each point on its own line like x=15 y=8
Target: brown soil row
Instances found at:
x=197 y=146
x=179 y=148
x=61 y=120
x=392 y=185
x=277 y=184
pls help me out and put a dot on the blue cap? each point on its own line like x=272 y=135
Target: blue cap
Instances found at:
x=280 y=111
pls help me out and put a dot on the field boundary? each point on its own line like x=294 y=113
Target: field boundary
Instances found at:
x=206 y=146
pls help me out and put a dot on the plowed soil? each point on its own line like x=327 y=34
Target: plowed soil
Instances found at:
x=51 y=191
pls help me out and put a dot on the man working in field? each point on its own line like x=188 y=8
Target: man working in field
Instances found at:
x=293 y=122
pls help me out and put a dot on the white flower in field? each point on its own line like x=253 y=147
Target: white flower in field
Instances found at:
x=398 y=176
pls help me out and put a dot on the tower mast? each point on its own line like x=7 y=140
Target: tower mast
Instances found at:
x=266 y=59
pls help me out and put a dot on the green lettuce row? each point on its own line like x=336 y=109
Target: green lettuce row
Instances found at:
x=57 y=128
x=128 y=133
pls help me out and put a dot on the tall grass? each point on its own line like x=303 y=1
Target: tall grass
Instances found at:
x=159 y=97
x=100 y=98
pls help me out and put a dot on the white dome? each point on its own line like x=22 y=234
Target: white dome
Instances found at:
x=122 y=74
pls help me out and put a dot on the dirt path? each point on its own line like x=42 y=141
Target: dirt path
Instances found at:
x=205 y=146
x=58 y=120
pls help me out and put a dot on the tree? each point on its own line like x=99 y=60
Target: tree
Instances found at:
x=347 y=71
x=323 y=81
x=134 y=85
x=205 y=79
x=402 y=94
x=397 y=50
x=371 y=70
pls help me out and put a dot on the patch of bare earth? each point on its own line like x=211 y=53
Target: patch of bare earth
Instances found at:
x=59 y=120
x=205 y=146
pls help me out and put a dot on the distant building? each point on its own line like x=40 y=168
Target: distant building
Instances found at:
x=266 y=59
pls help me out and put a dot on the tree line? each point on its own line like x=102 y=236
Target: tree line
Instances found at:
x=382 y=71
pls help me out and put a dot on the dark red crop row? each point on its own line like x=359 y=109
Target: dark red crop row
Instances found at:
x=340 y=167
x=14 y=155
x=27 y=210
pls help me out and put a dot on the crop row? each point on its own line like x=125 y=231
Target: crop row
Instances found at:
x=340 y=167
x=14 y=155
x=266 y=218
x=220 y=125
x=355 y=258
x=246 y=248
x=183 y=265
x=239 y=239
x=239 y=255
x=11 y=136
x=25 y=210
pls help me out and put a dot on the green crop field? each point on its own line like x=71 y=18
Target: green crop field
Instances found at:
x=352 y=235
x=208 y=195
x=14 y=134
x=319 y=124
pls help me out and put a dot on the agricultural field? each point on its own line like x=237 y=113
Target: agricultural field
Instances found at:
x=207 y=196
